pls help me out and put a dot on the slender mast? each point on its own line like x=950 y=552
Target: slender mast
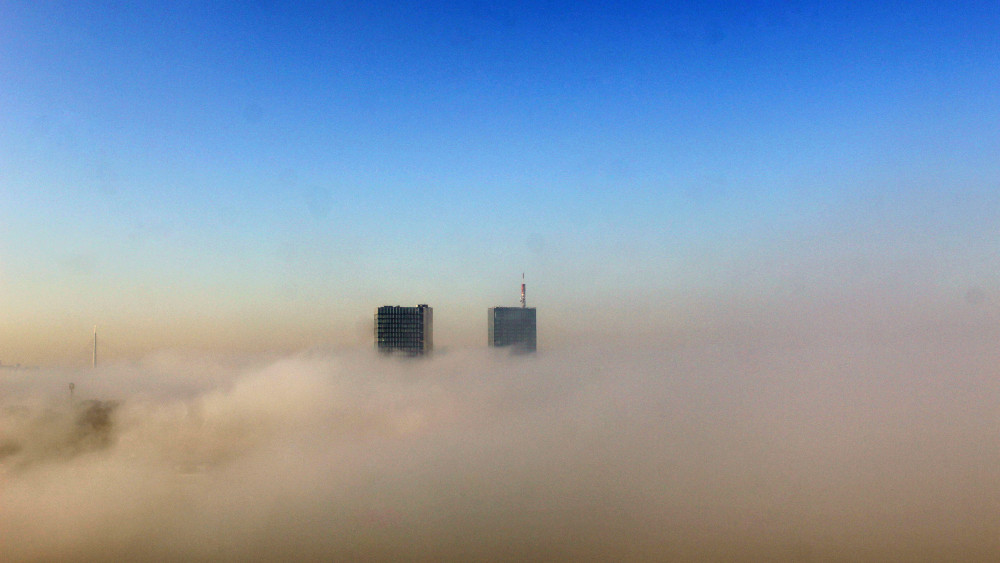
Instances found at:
x=523 y=302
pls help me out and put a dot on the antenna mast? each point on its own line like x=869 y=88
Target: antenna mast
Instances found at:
x=95 y=347
x=523 y=302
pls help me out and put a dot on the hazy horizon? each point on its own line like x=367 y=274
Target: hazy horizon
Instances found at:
x=875 y=313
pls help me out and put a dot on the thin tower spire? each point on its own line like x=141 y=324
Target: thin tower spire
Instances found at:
x=523 y=302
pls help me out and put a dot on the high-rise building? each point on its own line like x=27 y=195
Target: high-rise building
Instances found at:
x=513 y=326
x=405 y=330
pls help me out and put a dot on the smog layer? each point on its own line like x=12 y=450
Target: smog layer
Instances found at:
x=731 y=450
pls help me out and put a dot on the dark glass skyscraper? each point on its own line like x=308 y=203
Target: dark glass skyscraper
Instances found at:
x=512 y=326
x=405 y=330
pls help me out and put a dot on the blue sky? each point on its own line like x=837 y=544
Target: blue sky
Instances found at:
x=208 y=174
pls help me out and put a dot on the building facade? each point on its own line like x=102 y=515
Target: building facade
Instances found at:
x=512 y=326
x=404 y=330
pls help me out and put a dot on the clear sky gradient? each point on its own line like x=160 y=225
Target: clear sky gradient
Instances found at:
x=212 y=175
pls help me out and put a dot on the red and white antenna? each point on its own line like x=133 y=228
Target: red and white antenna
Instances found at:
x=523 y=302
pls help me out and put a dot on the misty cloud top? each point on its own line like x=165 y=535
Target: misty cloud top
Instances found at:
x=717 y=451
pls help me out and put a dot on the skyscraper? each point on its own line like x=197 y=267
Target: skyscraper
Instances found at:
x=405 y=330
x=513 y=326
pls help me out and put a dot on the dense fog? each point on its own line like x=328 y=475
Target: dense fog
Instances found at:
x=828 y=450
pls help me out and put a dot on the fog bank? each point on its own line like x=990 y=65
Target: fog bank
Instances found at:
x=735 y=451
